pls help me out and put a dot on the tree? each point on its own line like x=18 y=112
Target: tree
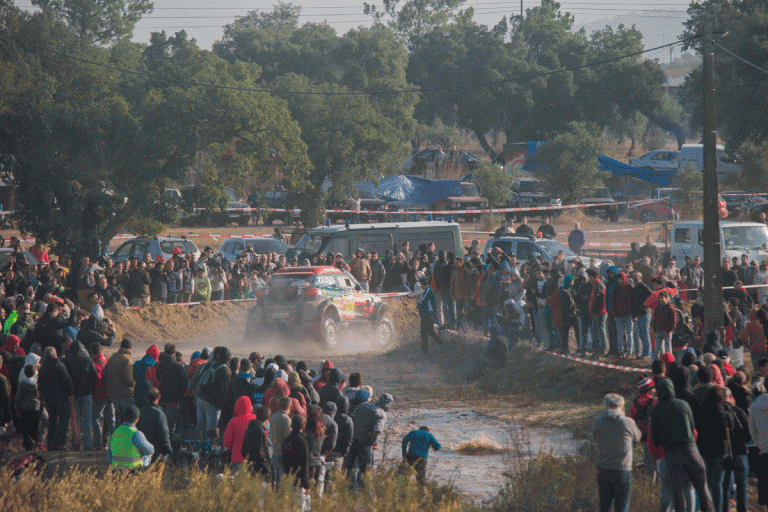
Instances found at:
x=97 y=21
x=89 y=147
x=569 y=161
x=755 y=160
x=493 y=183
x=415 y=17
x=741 y=90
x=689 y=183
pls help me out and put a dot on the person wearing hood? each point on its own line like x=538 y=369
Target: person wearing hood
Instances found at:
x=368 y=420
x=344 y=428
x=172 y=383
x=621 y=305
x=140 y=375
x=256 y=447
x=13 y=346
x=672 y=428
x=362 y=396
x=427 y=313
x=84 y=377
x=239 y=386
x=27 y=403
x=298 y=391
x=272 y=397
x=613 y=434
x=331 y=392
x=325 y=370
x=56 y=389
x=211 y=382
x=236 y=428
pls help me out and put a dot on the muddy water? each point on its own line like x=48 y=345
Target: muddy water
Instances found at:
x=478 y=477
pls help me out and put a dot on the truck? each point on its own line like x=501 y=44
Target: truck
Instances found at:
x=736 y=238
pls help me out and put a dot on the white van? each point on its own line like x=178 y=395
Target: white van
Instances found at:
x=736 y=238
x=694 y=154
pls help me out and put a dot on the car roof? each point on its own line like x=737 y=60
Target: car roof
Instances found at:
x=321 y=269
x=380 y=225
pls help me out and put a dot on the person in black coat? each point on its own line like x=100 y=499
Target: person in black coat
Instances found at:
x=154 y=425
x=239 y=385
x=56 y=317
x=56 y=390
x=331 y=392
x=344 y=429
x=296 y=452
x=84 y=377
x=96 y=331
x=256 y=445
x=172 y=383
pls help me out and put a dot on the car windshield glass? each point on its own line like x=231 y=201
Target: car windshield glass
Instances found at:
x=747 y=238
x=309 y=243
x=468 y=189
x=598 y=192
x=551 y=247
x=268 y=245
x=230 y=195
x=528 y=186
x=291 y=279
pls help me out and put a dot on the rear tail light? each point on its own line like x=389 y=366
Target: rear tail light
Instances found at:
x=311 y=292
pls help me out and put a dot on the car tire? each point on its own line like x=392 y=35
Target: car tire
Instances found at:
x=329 y=333
x=383 y=332
x=648 y=216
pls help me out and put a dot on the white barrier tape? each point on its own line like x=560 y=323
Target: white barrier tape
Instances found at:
x=599 y=363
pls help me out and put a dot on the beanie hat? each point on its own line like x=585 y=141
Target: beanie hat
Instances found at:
x=126 y=343
x=195 y=355
x=384 y=401
x=644 y=384
x=567 y=280
x=667 y=358
x=154 y=352
x=327 y=364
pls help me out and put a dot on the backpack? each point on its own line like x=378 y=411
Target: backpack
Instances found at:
x=207 y=380
x=643 y=417
x=288 y=447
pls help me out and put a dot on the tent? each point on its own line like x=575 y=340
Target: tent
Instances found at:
x=659 y=177
x=408 y=189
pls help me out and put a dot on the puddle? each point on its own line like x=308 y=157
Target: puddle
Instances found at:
x=477 y=477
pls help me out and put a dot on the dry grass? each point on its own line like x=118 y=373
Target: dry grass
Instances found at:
x=479 y=446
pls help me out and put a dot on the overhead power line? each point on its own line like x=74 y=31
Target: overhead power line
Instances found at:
x=742 y=59
x=531 y=76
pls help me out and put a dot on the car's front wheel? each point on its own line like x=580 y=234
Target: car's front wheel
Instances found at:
x=328 y=331
x=383 y=332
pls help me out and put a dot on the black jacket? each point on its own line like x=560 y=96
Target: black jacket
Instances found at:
x=331 y=429
x=296 y=457
x=154 y=425
x=172 y=379
x=640 y=294
x=81 y=370
x=331 y=392
x=46 y=330
x=344 y=427
x=237 y=387
x=256 y=449
x=54 y=381
x=672 y=422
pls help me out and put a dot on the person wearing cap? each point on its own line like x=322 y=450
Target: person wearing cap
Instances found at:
x=128 y=447
x=640 y=411
x=613 y=434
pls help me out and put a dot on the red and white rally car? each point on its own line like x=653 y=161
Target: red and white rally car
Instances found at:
x=323 y=301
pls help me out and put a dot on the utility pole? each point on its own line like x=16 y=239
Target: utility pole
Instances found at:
x=713 y=276
x=521 y=9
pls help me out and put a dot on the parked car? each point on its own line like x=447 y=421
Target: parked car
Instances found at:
x=6 y=256
x=525 y=246
x=321 y=301
x=234 y=247
x=652 y=210
x=528 y=193
x=660 y=159
x=280 y=199
x=606 y=207
x=162 y=246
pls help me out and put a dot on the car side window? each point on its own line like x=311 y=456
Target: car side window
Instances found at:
x=524 y=251
x=239 y=247
x=505 y=245
x=140 y=248
x=226 y=246
x=325 y=282
x=682 y=236
x=125 y=250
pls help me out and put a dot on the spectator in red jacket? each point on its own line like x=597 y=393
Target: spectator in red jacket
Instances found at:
x=325 y=372
x=272 y=396
x=236 y=428
x=663 y=324
x=641 y=413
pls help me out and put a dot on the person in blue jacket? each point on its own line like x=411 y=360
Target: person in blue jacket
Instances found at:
x=416 y=446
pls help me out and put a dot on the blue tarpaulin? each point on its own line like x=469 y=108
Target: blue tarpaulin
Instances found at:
x=413 y=189
x=661 y=177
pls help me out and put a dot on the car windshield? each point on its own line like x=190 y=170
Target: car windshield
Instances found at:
x=291 y=279
x=470 y=190
x=231 y=195
x=268 y=245
x=551 y=247
x=600 y=192
x=309 y=243
x=528 y=186
x=746 y=238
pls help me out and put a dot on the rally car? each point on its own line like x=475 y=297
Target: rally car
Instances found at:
x=322 y=301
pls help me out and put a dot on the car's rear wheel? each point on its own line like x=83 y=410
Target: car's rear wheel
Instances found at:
x=383 y=332
x=328 y=331
x=648 y=216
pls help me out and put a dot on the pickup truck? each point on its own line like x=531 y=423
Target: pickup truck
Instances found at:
x=605 y=205
x=736 y=238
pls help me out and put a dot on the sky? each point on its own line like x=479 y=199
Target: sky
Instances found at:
x=204 y=20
